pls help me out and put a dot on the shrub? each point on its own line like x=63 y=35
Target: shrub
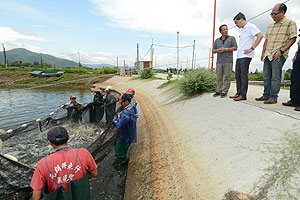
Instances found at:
x=197 y=82
x=146 y=73
x=170 y=76
x=255 y=77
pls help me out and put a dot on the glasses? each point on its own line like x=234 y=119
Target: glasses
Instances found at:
x=274 y=14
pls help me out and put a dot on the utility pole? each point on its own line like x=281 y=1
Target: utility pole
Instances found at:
x=209 y=52
x=195 y=61
x=212 y=57
x=137 y=57
x=151 y=54
x=187 y=60
x=4 y=53
x=177 y=53
x=193 y=55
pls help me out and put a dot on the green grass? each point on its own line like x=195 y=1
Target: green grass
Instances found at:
x=281 y=176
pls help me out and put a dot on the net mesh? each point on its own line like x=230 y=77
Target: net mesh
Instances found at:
x=28 y=143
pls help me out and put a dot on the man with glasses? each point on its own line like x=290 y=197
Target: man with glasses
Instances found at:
x=280 y=36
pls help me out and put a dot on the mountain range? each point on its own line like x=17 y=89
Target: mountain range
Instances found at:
x=26 y=56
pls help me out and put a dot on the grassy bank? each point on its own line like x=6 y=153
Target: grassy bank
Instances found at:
x=73 y=77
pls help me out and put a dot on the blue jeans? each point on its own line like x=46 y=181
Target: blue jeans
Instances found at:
x=272 y=72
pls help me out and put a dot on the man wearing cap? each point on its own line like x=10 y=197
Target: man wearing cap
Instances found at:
x=110 y=104
x=73 y=109
x=97 y=105
x=62 y=168
x=127 y=122
x=131 y=93
x=280 y=36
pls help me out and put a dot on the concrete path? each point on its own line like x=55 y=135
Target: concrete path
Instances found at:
x=203 y=147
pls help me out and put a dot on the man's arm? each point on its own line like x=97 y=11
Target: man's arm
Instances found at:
x=286 y=47
x=37 y=194
x=93 y=173
x=264 y=49
x=259 y=37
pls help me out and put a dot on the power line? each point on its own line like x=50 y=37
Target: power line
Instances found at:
x=258 y=15
x=182 y=62
x=146 y=53
x=161 y=45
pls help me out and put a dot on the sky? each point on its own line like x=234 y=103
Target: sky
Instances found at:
x=100 y=31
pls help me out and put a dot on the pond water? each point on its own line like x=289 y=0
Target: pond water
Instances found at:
x=22 y=105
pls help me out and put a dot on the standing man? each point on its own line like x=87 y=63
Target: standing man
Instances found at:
x=280 y=36
x=224 y=47
x=63 y=168
x=127 y=121
x=245 y=53
x=295 y=82
x=110 y=105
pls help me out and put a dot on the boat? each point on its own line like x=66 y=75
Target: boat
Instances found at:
x=46 y=73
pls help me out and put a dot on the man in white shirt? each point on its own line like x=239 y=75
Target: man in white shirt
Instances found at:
x=249 y=39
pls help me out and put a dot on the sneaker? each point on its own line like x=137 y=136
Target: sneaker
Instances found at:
x=270 y=101
x=216 y=94
x=262 y=98
x=222 y=95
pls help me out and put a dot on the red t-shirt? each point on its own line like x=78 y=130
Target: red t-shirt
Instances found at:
x=61 y=165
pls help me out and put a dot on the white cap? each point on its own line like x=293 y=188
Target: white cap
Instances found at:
x=108 y=88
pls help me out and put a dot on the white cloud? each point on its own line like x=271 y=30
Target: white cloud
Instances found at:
x=93 y=57
x=191 y=18
x=158 y=16
x=9 y=34
x=13 y=45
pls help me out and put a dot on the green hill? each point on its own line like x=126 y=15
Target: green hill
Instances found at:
x=26 y=56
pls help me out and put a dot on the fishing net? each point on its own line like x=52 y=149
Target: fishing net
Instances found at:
x=28 y=143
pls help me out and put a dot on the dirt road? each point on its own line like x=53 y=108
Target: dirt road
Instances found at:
x=159 y=168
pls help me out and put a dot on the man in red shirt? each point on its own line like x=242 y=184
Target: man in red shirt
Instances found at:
x=64 y=165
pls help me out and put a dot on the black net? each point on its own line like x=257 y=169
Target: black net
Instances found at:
x=28 y=143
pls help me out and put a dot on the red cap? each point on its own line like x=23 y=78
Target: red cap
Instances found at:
x=73 y=97
x=130 y=91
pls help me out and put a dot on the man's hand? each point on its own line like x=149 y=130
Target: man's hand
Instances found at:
x=294 y=59
x=37 y=194
x=222 y=50
x=247 y=51
x=262 y=57
x=277 y=56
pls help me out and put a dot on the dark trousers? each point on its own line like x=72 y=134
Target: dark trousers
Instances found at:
x=295 y=82
x=241 y=75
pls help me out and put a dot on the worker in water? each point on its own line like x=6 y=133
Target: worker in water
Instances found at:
x=73 y=109
x=65 y=172
x=110 y=104
x=98 y=109
x=127 y=122
x=131 y=93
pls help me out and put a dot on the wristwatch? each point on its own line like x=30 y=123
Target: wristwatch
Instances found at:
x=282 y=52
x=252 y=48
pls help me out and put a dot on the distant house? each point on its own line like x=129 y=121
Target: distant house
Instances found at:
x=141 y=65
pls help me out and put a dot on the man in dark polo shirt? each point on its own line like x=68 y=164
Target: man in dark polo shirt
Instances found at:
x=224 y=47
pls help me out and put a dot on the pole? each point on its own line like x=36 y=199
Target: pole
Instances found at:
x=137 y=57
x=187 y=62
x=209 y=52
x=193 y=55
x=4 y=53
x=212 y=57
x=151 y=54
x=195 y=61
x=177 y=53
